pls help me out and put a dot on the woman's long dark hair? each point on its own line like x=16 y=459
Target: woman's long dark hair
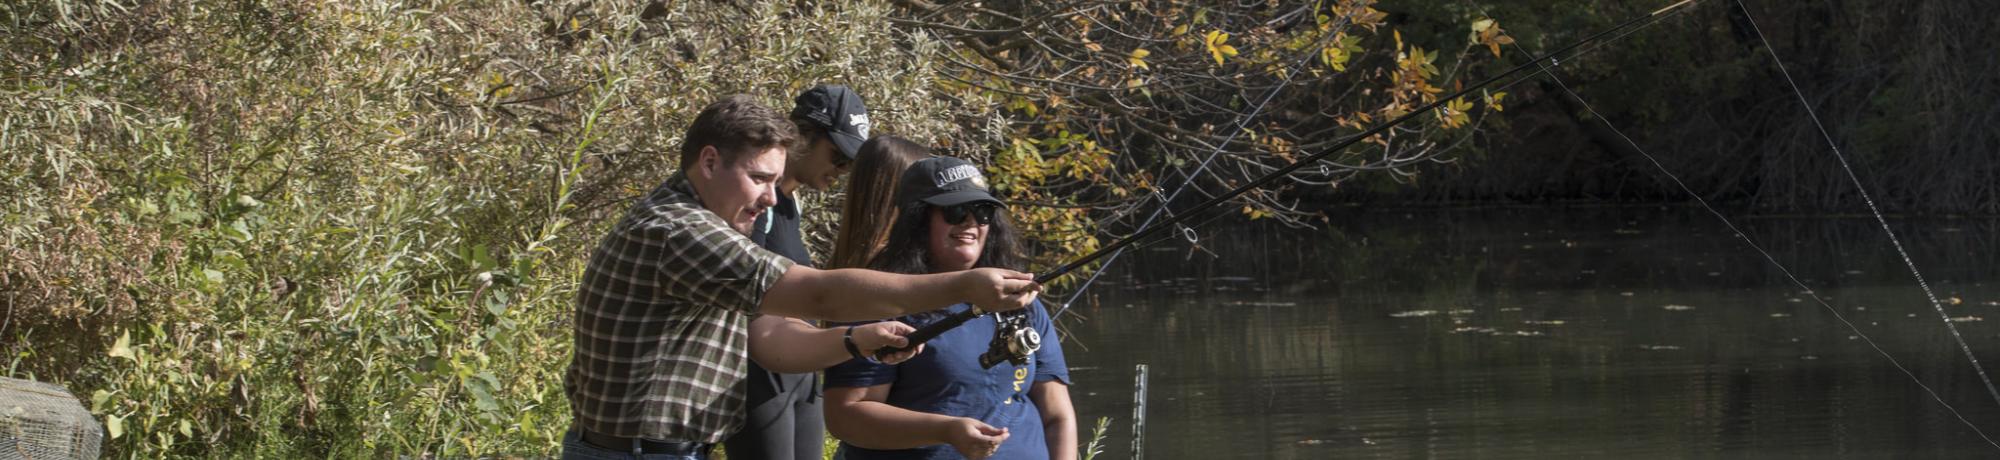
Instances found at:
x=870 y=206
x=908 y=250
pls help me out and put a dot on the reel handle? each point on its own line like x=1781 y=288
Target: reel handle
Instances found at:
x=926 y=333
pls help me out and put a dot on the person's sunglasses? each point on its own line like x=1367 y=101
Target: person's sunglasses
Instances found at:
x=840 y=160
x=980 y=212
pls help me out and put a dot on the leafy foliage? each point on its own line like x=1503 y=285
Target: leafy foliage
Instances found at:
x=1111 y=105
x=352 y=229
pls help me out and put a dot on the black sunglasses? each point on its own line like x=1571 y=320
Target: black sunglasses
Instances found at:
x=840 y=160
x=981 y=212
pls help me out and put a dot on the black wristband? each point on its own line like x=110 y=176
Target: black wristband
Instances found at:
x=848 y=339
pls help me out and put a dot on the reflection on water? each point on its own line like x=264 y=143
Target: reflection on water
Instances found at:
x=1531 y=333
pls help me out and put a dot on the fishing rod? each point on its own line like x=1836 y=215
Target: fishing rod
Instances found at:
x=1015 y=347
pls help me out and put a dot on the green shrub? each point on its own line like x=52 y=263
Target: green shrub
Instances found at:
x=272 y=228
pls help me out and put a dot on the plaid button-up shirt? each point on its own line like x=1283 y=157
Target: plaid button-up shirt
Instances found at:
x=662 y=322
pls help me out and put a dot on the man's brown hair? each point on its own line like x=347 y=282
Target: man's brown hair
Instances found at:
x=735 y=126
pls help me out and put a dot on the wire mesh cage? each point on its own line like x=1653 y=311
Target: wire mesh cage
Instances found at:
x=39 y=421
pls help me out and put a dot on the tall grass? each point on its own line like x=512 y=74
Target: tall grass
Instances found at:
x=353 y=229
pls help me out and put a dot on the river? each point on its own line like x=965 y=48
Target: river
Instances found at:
x=1544 y=332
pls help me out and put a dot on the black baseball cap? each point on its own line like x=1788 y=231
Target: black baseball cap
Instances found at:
x=840 y=111
x=943 y=181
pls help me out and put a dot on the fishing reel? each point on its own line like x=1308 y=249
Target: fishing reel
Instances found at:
x=1014 y=341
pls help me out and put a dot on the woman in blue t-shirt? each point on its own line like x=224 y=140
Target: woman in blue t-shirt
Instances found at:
x=942 y=404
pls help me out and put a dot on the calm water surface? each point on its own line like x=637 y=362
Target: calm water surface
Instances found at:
x=1535 y=333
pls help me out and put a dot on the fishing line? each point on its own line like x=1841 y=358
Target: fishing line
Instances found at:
x=1866 y=198
x=1759 y=248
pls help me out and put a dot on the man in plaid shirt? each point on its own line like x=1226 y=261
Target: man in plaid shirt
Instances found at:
x=662 y=313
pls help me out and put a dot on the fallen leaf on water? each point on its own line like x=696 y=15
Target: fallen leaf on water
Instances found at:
x=1248 y=303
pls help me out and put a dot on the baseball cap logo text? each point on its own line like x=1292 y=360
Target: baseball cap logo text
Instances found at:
x=860 y=123
x=961 y=172
x=943 y=181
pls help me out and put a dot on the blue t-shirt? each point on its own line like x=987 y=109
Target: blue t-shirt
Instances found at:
x=946 y=379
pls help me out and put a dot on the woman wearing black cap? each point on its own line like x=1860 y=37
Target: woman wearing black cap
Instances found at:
x=943 y=403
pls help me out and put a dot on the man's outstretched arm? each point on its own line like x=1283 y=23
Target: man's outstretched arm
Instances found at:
x=852 y=294
x=793 y=346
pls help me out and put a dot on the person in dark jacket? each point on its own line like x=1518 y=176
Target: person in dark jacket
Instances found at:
x=784 y=420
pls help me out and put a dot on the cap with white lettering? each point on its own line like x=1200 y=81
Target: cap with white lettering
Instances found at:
x=840 y=111
x=943 y=181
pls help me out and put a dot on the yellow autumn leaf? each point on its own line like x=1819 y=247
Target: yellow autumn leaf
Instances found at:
x=123 y=347
x=1481 y=25
x=1138 y=58
x=1486 y=32
x=1334 y=57
x=1454 y=113
x=1493 y=101
x=1216 y=41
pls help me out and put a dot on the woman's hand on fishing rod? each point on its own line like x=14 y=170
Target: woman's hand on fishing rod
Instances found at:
x=875 y=336
x=997 y=290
